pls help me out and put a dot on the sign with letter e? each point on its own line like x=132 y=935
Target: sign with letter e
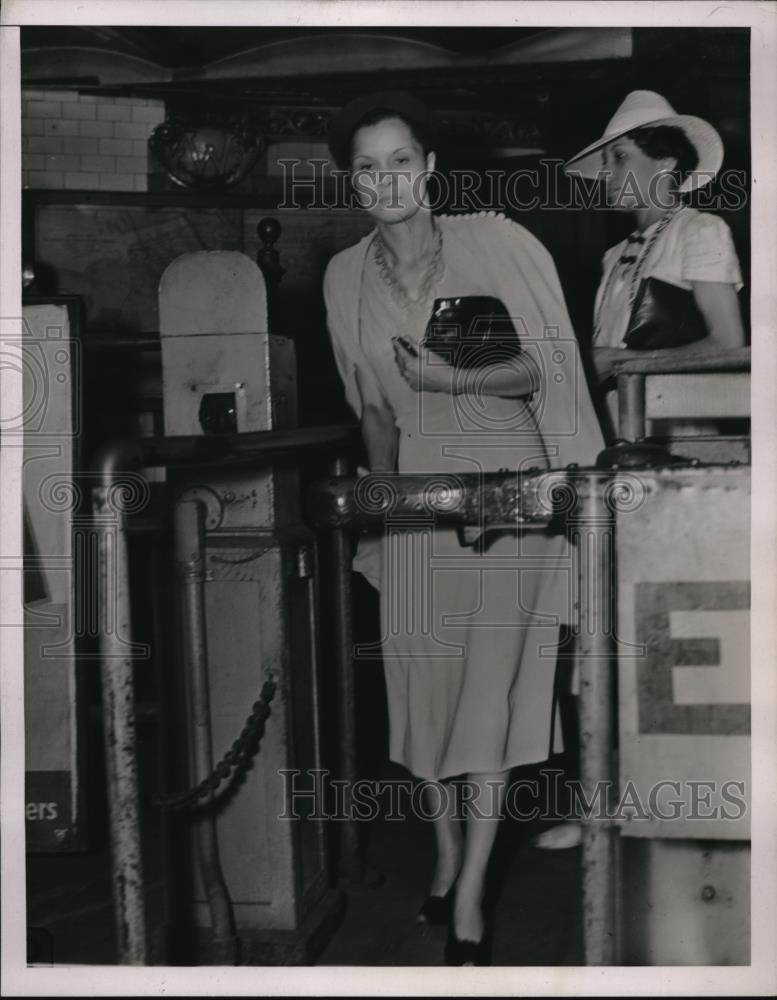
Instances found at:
x=683 y=625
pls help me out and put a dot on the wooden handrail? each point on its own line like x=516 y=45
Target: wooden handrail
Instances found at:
x=668 y=363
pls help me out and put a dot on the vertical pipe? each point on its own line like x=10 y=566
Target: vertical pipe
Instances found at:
x=593 y=532
x=189 y=527
x=309 y=571
x=118 y=709
x=631 y=407
x=158 y=566
x=351 y=864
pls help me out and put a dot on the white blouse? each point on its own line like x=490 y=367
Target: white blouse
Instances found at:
x=694 y=246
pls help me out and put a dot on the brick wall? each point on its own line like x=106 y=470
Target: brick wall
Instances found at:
x=85 y=142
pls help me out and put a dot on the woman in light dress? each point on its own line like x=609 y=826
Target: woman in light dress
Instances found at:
x=467 y=637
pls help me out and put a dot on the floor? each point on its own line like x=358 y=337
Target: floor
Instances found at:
x=536 y=903
x=536 y=894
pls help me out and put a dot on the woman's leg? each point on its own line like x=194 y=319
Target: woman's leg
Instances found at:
x=448 y=834
x=483 y=802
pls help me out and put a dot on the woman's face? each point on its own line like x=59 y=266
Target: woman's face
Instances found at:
x=634 y=179
x=388 y=170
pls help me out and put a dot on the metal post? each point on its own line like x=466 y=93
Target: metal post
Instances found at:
x=189 y=522
x=592 y=526
x=118 y=703
x=631 y=407
x=351 y=863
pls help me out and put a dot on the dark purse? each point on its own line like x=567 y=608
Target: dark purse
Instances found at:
x=471 y=331
x=662 y=316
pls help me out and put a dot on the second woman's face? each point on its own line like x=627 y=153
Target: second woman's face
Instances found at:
x=388 y=170
x=633 y=179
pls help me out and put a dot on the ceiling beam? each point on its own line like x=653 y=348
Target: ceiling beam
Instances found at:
x=146 y=44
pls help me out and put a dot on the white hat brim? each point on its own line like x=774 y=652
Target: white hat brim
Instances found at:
x=702 y=136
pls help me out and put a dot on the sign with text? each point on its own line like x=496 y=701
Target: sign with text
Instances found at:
x=684 y=655
x=49 y=429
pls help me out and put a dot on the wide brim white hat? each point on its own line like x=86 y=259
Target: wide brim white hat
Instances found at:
x=644 y=107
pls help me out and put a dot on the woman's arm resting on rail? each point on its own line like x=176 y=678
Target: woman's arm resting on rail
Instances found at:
x=604 y=358
x=718 y=304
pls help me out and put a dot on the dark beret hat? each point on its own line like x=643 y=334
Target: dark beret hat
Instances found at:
x=344 y=123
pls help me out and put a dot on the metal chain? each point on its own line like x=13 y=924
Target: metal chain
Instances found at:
x=234 y=760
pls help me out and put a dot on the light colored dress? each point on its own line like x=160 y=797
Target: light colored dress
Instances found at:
x=468 y=639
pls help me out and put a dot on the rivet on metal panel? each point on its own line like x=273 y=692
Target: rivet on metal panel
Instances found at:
x=708 y=892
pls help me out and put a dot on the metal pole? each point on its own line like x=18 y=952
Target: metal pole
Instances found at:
x=631 y=407
x=116 y=650
x=351 y=864
x=251 y=448
x=592 y=527
x=189 y=526
x=118 y=706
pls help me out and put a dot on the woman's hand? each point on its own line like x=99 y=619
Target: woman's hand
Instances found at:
x=419 y=374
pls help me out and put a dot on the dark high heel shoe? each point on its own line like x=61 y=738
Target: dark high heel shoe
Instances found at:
x=436 y=911
x=468 y=952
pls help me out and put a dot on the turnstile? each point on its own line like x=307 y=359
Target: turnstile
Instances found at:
x=224 y=373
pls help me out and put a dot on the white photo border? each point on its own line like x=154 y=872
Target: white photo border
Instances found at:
x=761 y=977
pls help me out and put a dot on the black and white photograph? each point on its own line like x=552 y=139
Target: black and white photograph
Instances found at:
x=387 y=477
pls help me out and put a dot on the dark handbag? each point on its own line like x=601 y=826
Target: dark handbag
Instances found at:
x=471 y=331
x=663 y=315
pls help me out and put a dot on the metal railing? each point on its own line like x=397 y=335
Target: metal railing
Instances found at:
x=110 y=505
x=587 y=499
x=633 y=375
x=471 y=502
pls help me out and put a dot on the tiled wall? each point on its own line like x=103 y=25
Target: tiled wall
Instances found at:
x=84 y=142
x=94 y=143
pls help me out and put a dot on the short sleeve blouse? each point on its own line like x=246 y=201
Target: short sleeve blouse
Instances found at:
x=695 y=246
